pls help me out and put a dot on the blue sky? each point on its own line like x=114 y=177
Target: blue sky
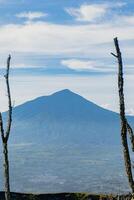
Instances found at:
x=66 y=33
x=68 y=38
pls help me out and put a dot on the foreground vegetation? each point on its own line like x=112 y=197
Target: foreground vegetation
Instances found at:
x=65 y=196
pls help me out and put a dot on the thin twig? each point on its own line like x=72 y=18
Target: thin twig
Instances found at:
x=114 y=55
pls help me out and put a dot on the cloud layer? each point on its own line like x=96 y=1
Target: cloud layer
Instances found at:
x=73 y=42
x=88 y=12
x=86 y=65
x=92 y=12
x=71 y=37
x=31 y=15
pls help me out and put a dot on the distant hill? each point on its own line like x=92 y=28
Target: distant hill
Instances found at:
x=65 y=143
x=64 y=117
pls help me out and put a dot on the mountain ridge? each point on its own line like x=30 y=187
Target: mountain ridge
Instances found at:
x=62 y=93
x=65 y=115
x=70 y=144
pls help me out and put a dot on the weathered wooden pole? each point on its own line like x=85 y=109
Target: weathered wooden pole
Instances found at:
x=125 y=127
x=5 y=134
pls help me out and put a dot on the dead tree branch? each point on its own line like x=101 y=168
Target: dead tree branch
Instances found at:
x=124 y=124
x=9 y=121
x=5 y=134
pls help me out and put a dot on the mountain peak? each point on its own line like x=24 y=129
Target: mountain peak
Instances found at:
x=64 y=91
x=64 y=101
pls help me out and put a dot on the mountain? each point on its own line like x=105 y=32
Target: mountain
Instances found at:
x=65 y=143
x=64 y=117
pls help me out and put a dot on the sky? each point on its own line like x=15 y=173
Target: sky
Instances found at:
x=67 y=44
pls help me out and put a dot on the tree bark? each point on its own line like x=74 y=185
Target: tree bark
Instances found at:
x=6 y=171
x=124 y=124
x=5 y=134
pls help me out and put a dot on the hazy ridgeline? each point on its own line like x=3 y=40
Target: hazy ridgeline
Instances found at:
x=64 y=143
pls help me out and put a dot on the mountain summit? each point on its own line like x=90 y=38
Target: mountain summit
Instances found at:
x=66 y=117
x=64 y=142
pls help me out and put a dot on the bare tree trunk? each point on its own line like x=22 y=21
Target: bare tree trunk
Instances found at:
x=5 y=134
x=6 y=171
x=124 y=124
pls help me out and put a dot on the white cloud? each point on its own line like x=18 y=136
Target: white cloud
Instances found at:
x=31 y=15
x=80 y=65
x=77 y=41
x=54 y=39
x=92 y=12
x=88 y=12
